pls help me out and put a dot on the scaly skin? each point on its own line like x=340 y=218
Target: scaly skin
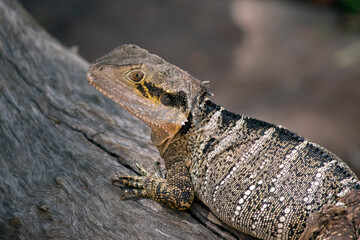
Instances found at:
x=259 y=178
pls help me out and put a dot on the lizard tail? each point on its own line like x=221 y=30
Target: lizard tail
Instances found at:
x=336 y=222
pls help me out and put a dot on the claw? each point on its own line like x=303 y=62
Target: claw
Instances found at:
x=135 y=185
x=131 y=193
x=157 y=170
x=128 y=181
x=142 y=170
x=114 y=179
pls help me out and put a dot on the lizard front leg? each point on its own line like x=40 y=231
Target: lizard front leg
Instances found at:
x=175 y=191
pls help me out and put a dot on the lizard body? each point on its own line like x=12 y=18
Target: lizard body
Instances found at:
x=260 y=178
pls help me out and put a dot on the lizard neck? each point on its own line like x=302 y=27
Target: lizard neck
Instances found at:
x=196 y=119
x=196 y=115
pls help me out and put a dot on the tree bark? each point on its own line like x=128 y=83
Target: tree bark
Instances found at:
x=60 y=140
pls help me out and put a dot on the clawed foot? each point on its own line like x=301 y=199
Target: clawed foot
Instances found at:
x=135 y=183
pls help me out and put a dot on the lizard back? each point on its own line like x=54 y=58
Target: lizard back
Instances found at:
x=261 y=178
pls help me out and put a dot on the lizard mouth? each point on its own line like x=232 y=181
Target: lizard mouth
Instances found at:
x=92 y=82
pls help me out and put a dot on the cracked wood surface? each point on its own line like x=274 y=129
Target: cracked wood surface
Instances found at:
x=60 y=142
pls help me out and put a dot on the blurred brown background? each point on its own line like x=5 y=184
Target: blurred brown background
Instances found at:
x=294 y=63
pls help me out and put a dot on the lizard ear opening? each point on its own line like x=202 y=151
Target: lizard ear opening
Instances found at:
x=165 y=99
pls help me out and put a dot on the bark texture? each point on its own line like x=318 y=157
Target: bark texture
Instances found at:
x=60 y=140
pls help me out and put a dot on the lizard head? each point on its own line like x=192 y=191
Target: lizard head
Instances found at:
x=158 y=93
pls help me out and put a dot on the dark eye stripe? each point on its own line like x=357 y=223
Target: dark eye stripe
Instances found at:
x=177 y=99
x=153 y=90
x=141 y=88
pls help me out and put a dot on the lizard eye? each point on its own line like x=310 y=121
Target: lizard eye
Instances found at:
x=136 y=76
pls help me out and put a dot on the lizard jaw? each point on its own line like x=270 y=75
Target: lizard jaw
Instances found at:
x=161 y=131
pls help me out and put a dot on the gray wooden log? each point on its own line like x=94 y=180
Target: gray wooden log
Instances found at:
x=60 y=140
